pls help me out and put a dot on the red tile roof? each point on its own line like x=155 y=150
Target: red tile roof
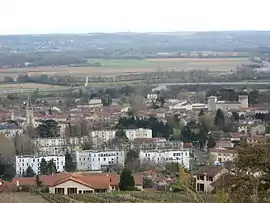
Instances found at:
x=92 y=180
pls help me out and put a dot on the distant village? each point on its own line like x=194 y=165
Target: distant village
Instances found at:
x=84 y=148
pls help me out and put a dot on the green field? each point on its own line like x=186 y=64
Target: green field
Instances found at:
x=182 y=63
x=123 y=63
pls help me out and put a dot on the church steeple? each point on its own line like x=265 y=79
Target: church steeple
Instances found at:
x=29 y=112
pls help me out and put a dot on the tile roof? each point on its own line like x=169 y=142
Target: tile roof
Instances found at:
x=209 y=170
x=92 y=180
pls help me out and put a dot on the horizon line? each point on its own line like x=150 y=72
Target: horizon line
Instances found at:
x=134 y=32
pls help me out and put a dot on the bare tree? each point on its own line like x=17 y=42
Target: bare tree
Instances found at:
x=7 y=150
x=23 y=145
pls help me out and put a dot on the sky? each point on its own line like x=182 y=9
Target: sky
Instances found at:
x=84 y=16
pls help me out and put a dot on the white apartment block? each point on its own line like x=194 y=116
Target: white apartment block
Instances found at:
x=95 y=103
x=103 y=136
x=133 y=134
x=58 y=145
x=152 y=96
x=22 y=163
x=161 y=157
x=89 y=160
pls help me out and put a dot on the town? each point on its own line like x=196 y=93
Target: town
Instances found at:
x=99 y=140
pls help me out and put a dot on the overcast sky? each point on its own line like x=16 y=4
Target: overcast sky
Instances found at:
x=77 y=16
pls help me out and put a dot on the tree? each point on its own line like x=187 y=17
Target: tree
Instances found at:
x=127 y=182
x=201 y=113
x=38 y=181
x=120 y=135
x=250 y=179
x=132 y=160
x=51 y=168
x=29 y=172
x=69 y=163
x=211 y=142
x=23 y=145
x=43 y=167
x=235 y=116
x=48 y=128
x=219 y=119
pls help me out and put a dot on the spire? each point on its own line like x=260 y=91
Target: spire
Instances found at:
x=29 y=103
x=86 y=81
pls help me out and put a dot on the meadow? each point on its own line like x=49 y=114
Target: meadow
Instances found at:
x=112 y=67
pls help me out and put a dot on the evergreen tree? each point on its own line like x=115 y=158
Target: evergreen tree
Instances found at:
x=38 y=182
x=211 y=142
x=127 y=182
x=235 y=116
x=219 y=119
x=48 y=128
x=69 y=165
x=201 y=113
x=51 y=168
x=43 y=167
x=29 y=172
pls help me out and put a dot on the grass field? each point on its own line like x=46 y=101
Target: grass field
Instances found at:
x=128 y=66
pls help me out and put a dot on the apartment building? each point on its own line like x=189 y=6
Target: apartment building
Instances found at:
x=103 y=136
x=10 y=130
x=57 y=145
x=95 y=103
x=161 y=157
x=89 y=160
x=133 y=134
x=22 y=163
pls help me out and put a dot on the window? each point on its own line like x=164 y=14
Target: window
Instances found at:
x=199 y=177
x=209 y=178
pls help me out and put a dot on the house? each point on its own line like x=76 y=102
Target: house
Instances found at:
x=206 y=175
x=222 y=155
x=79 y=183
x=161 y=157
x=96 y=159
x=23 y=162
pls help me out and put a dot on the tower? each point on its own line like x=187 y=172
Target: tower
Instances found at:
x=29 y=113
x=86 y=81
x=243 y=100
x=12 y=117
x=211 y=101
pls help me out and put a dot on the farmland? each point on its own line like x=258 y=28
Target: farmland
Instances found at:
x=28 y=86
x=129 y=66
x=20 y=197
x=115 y=197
